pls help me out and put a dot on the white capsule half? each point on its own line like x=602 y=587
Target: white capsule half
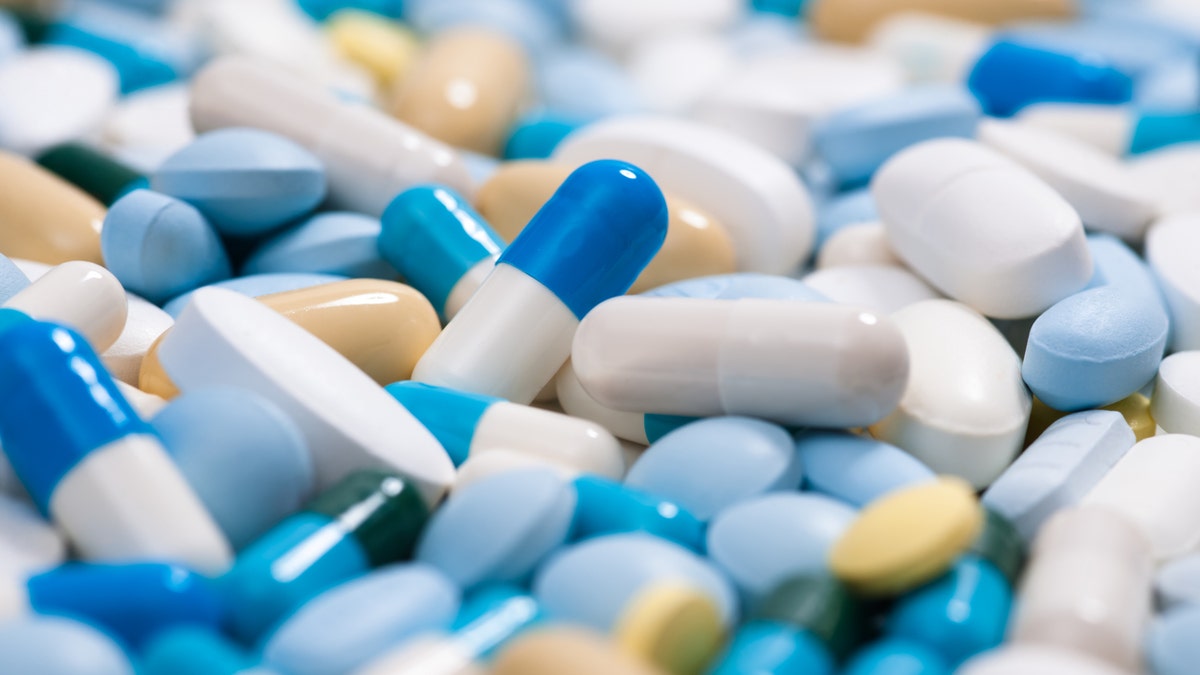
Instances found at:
x=79 y=294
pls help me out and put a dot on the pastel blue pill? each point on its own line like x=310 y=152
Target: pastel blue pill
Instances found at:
x=958 y=615
x=159 y=247
x=1059 y=468
x=207 y=431
x=848 y=208
x=526 y=22
x=1129 y=46
x=585 y=84
x=762 y=542
x=771 y=648
x=492 y=615
x=255 y=285
x=322 y=9
x=132 y=601
x=712 y=464
x=193 y=651
x=12 y=279
x=1177 y=582
x=854 y=142
x=351 y=624
x=328 y=243
x=1117 y=265
x=856 y=469
x=1172 y=86
x=500 y=528
x=739 y=285
x=606 y=507
x=536 y=135
x=592 y=582
x=246 y=181
x=1009 y=76
x=891 y=656
x=59 y=646
x=1172 y=644
x=1094 y=348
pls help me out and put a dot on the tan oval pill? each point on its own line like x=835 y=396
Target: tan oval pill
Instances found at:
x=697 y=245
x=852 y=20
x=466 y=89
x=44 y=218
x=563 y=651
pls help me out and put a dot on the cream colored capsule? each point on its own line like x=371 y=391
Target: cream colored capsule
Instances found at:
x=45 y=218
x=557 y=651
x=386 y=49
x=697 y=244
x=466 y=89
x=82 y=295
x=852 y=20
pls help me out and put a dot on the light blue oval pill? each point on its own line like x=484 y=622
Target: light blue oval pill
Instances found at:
x=1117 y=265
x=247 y=181
x=772 y=648
x=351 y=624
x=891 y=656
x=209 y=432
x=1178 y=582
x=711 y=464
x=159 y=247
x=12 y=39
x=12 y=279
x=763 y=541
x=592 y=582
x=500 y=528
x=738 y=286
x=255 y=285
x=338 y=242
x=585 y=84
x=57 y=646
x=1172 y=644
x=856 y=469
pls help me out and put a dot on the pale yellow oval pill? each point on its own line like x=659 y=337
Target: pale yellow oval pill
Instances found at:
x=44 y=218
x=852 y=20
x=674 y=627
x=567 y=651
x=384 y=48
x=1135 y=408
x=908 y=537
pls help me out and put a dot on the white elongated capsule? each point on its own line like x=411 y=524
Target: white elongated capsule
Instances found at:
x=1171 y=244
x=369 y=157
x=1037 y=660
x=965 y=409
x=79 y=294
x=499 y=460
x=1087 y=587
x=981 y=228
x=793 y=363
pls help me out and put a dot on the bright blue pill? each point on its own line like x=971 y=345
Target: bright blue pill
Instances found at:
x=1172 y=644
x=1010 y=76
x=890 y=656
x=771 y=648
x=535 y=136
x=59 y=646
x=607 y=507
x=327 y=243
x=856 y=469
x=255 y=285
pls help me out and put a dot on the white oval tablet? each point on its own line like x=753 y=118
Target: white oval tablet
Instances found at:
x=879 y=288
x=760 y=199
x=965 y=409
x=981 y=228
x=1175 y=405
x=52 y=95
x=860 y=244
x=223 y=338
x=149 y=126
x=673 y=70
x=1171 y=174
x=616 y=25
x=1171 y=246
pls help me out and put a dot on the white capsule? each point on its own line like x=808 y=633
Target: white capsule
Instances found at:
x=1037 y=660
x=1171 y=246
x=79 y=294
x=575 y=401
x=499 y=460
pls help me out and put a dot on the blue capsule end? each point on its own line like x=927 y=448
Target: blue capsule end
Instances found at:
x=1158 y=130
x=450 y=415
x=1010 y=76
x=536 y=136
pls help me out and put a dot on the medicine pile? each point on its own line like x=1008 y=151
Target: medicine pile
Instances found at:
x=599 y=337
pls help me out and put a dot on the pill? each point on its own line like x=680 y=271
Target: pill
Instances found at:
x=851 y=19
x=386 y=49
x=857 y=244
x=635 y=427
x=608 y=507
x=737 y=286
x=965 y=408
x=854 y=207
x=584 y=83
x=788 y=362
x=258 y=285
x=618 y=26
x=1177 y=583
x=772 y=648
x=1164 y=171
x=896 y=657
x=366 y=520
x=32 y=197
x=103 y=177
x=192 y=651
x=492 y=615
x=981 y=228
x=12 y=279
x=712 y=464
x=1116 y=130
x=673 y=627
x=1167 y=244
x=536 y=135
x=82 y=295
x=440 y=244
x=568 y=649
x=500 y=461
x=1136 y=409
x=1038 y=660
x=337 y=242
x=148 y=126
x=348 y=421
x=879 y=288
x=1171 y=641
x=53 y=94
x=1117 y=265
x=369 y=158
x=854 y=469
x=932 y=48
x=1011 y=74
x=61 y=646
x=613 y=206
x=471 y=424
x=30 y=544
x=322 y=10
x=424 y=654
x=820 y=605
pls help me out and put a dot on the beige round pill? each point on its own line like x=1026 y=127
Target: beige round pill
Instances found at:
x=852 y=20
x=567 y=651
x=44 y=218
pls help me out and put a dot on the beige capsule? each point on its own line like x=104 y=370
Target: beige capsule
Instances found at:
x=559 y=651
x=44 y=218
x=466 y=89
x=697 y=244
x=852 y=20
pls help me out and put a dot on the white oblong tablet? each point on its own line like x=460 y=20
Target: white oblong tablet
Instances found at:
x=1105 y=193
x=859 y=244
x=1175 y=405
x=223 y=338
x=1171 y=246
x=1171 y=175
x=1108 y=128
x=150 y=125
x=879 y=288
x=760 y=199
x=981 y=228
x=965 y=409
x=52 y=95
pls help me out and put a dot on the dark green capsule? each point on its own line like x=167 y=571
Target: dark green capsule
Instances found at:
x=822 y=605
x=1000 y=544
x=92 y=171
x=382 y=511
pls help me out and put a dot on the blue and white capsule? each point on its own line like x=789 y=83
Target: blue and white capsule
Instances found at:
x=88 y=460
x=587 y=244
x=440 y=245
x=1119 y=130
x=467 y=424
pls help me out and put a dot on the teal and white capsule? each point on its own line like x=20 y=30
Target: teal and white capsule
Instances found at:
x=587 y=244
x=644 y=428
x=1116 y=129
x=88 y=460
x=468 y=424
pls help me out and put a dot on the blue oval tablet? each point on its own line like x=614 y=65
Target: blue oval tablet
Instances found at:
x=1117 y=265
x=337 y=242
x=856 y=469
x=1172 y=644
x=255 y=285
x=772 y=648
x=58 y=646
x=739 y=285
x=891 y=656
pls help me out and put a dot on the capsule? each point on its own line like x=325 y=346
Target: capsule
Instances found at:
x=469 y=424
x=793 y=363
x=82 y=295
x=1011 y=75
x=90 y=462
x=366 y=520
x=43 y=217
x=439 y=244
x=100 y=175
x=369 y=157
x=852 y=20
x=1117 y=130
x=587 y=244
x=637 y=427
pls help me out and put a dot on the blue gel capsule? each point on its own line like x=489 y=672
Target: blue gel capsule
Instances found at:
x=440 y=245
x=338 y=242
x=1172 y=644
x=193 y=651
x=712 y=464
x=160 y=247
x=781 y=7
x=891 y=656
x=1010 y=76
x=772 y=648
x=737 y=286
x=323 y=9
x=605 y=507
x=255 y=285
x=856 y=469
x=492 y=615
x=535 y=136
x=12 y=279
x=848 y=208
x=59 y=646
x=959 y=615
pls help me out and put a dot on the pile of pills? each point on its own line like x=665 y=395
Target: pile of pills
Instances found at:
x=599 y=337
